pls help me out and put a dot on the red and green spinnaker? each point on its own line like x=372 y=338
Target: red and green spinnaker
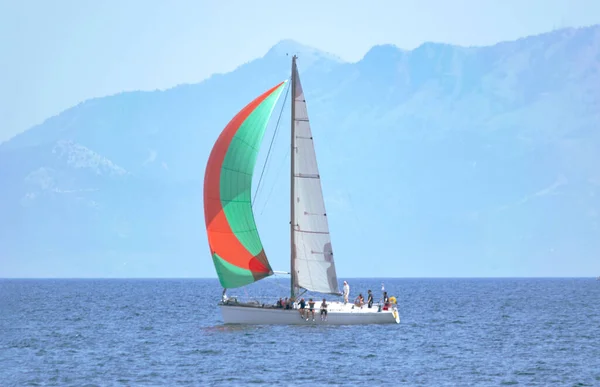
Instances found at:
x=233 y=239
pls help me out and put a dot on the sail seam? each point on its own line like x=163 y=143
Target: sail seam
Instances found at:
x=237 y=138
x=302 y=176
x=239 y=232
x=313 y=232
x=236 y=171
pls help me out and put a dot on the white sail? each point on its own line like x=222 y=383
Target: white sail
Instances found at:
x=312 y=255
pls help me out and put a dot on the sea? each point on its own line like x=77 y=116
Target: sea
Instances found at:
x=169 y=332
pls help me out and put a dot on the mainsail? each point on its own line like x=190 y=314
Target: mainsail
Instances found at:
x=235 y=246
x=313 y=267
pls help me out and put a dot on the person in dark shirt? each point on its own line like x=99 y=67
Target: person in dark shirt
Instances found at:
x=311 y=309
x=370 y=299
x=386 y=301
x=301 y=309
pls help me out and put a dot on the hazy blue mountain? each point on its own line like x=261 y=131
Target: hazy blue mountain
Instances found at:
x=440 y=161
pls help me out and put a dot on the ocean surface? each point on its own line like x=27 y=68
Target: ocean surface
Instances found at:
x=157 y=332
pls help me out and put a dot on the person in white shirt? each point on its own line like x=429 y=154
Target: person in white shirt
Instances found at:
x=324 y=310
x=346 y=292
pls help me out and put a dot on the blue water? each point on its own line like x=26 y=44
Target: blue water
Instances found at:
x=169 y=333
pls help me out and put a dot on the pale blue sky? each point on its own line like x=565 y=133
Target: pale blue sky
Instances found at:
x=57 y=53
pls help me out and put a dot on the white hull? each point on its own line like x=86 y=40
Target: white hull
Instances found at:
x=338 y=314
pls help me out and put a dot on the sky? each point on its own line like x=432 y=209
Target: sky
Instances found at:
x=55 y=54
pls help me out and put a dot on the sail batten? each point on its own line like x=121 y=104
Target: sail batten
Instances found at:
x=313 y=261
x=235 y=245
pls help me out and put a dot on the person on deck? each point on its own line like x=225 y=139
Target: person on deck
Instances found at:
x=386 y=301
x=370 y=299
x=311 y=309
x=346 y=292
x=301 y=309
x=360 y=301
x=324 y=310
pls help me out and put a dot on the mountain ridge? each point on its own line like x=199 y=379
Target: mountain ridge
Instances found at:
x=281 y=47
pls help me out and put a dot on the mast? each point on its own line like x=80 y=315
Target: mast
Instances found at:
x=292 y=180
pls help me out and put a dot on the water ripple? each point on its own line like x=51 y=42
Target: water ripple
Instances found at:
x=169 y=332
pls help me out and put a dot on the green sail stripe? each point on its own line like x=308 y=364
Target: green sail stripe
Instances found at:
x=230 y=275
x=237 y=170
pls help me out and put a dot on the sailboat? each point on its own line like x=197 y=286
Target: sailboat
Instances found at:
x=235 y=246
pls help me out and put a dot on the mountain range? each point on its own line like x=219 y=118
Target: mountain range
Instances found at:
x=438 y=161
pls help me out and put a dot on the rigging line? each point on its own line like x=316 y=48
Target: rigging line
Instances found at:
x=275 y=181
x=280 y=285
x=266 y=164
x=271 y=145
